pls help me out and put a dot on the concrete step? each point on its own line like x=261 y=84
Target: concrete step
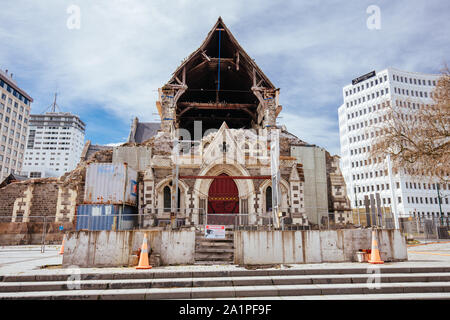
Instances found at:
x=214 y=250
x=351 y=297
x=213 y=262
x=213 y=256
x=231 y=292
x=157 y=273
x=215 y=241
x=217 y=281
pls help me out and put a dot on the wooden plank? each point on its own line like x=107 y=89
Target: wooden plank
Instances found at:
x=206 y=56
x=178 y=80
x=206 y=105
x=175 y=86
x=216 y=118
x=226 y=177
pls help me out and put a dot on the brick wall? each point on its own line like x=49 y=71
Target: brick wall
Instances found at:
x=43 y=203
x=8 y=195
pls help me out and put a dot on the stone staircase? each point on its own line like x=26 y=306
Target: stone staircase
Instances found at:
x=214 y=251
x=313 y=282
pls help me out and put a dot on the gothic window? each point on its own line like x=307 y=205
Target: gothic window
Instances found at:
x=246 y=148
x=167 y=200
x=259 y=149
x=268 y=199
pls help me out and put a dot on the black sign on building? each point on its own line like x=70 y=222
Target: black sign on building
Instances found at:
x=364 y=77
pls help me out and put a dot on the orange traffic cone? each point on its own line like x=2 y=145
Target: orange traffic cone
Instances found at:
x=375 y=252
x=143 y=258
x=62 y=246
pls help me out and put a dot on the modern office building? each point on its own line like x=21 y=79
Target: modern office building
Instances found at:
x=54 y=146
x=15 y=105
x=360 y=115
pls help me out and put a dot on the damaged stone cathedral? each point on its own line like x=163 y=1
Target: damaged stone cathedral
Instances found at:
x=221 y=107
x=213 y=146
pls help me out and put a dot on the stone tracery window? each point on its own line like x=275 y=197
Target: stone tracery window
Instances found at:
x=167 y=198
x=268 y=198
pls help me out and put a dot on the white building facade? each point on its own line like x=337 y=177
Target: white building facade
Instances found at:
x=15 y=105
x=359 y=115
x=54 y=146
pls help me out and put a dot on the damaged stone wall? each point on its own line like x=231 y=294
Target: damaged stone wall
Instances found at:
x=43 y=201
x=30 y=200
x=338 y=201
x=10 y=198
x=24 y=204
x=30 y=206
x=239 y=142
x=48 y=196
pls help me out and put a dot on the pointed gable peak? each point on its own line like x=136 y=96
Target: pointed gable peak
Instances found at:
x=230 y=48
x=294 y=176
x=223 y=126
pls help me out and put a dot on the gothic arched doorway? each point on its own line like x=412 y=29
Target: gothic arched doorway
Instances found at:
x=223 y=200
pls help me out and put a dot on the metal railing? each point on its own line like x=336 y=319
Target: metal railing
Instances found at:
x=385 y=220
x=426 y=228
x=167 y=216
x=231 y=219
x=44 y=225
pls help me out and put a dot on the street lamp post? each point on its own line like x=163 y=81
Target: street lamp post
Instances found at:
x=440 y=206
x=357 y=208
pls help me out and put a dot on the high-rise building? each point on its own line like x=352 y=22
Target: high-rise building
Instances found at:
x=15 y=105
x=54 y=146
x=359 y=118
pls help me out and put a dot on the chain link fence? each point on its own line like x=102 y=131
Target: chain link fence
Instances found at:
x=432 y=228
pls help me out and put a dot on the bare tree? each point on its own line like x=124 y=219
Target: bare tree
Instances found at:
x=416 y=136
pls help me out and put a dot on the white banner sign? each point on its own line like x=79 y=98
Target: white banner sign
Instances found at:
x=214 y=232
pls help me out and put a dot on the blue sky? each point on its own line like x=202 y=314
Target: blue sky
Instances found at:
x=108 y=71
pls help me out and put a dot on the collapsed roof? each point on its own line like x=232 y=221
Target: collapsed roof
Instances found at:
x=219 y=80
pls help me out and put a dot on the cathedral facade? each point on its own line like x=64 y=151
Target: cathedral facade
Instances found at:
x=218 y=122
x=212 y=159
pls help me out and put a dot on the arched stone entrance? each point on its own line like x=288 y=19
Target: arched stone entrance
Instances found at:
x=223 y=201
x=246 y=189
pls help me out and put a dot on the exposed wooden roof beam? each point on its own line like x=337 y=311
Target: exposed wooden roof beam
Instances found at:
x=174 y=86
x=216 y=118
x=226 y=177
x=178 y=80
x=243 y=58
x=206 y=56
x=206 y=105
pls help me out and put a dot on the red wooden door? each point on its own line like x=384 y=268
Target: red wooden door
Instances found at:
x=223 y=200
